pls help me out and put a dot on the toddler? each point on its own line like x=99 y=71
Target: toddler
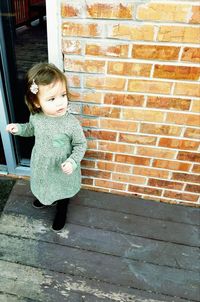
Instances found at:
x=60 y=143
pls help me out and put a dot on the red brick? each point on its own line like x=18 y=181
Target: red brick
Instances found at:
x=168 y=103
x=101 y=111
x=188 y=156
x=192 y=133
x=90 y=154
x=176 y=72
x=137 y=139
x=183 y=119
x=144 y=190
x=110 y=11
x=196 y=169
x=102 y=165
x=105 y=83
x=115 y=50
x=88 y=163
x=165 y=184
x=87 y=181
x=171 y=165
x=99 y=134
x=96 y=173
x=129 y=159
x=131 y=69
x=110 y=184
x=160 y=129
x=124 y=99
x=155 y=52
x=181 y=196
x=186 y=177
x=90 y=122
x=191 y=54
x=193 y=188
x=178 y=144
x=150 y=172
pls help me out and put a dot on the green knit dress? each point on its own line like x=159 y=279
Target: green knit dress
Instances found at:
x=57 y=139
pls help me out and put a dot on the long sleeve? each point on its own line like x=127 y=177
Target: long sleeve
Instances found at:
x=26 y=129
x=79 y=145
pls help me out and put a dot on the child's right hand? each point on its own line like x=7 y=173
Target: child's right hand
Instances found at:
x=12 y=128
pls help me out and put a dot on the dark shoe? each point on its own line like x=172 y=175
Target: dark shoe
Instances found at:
x=37 y=204
x=61 y=213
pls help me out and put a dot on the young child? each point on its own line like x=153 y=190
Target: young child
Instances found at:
x=60 y=143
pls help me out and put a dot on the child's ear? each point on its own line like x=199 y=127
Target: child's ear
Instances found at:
x=37 y=105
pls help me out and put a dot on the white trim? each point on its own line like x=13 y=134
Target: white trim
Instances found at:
x=54 y=32
x=6 y=138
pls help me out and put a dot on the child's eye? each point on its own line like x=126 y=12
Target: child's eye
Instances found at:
x=51 y=100
x=64 y=95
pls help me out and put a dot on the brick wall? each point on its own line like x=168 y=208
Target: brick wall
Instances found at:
x=133 y=72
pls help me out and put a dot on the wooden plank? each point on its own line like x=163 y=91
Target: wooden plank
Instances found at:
x=114 y=221
x=138 y=206
x=47 y=286
x=106 y=242
x=12 y=298
x=126 y=204
x=110 y=269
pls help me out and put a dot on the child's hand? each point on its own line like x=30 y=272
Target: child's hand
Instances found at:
x=12 y=128
x=67 y=167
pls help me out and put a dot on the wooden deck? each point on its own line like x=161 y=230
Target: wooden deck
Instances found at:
x=113 y=248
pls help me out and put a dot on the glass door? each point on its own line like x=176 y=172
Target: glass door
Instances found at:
x=23 y=36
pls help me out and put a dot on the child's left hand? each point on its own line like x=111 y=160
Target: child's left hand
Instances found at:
x=67 y=167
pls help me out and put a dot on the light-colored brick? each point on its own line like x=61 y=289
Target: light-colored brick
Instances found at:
x=155 y=152
x=160 y=129
x=131 y=69
x=195 y=18
x=71 y=47
x=192 y=133
x=132 y=179
x=115 y=147
x=137 y=139
x=183 y=119
x=89 y=66
x=171 y=165
x=81 y=29
x=187 y=89
x=163 y=12
x=107 y=83
x=149 y=86
x=144 y=171
x=178 y=143
x=142 y=115
x=181 y=34
x=101 y=111
x=131 y=32
x=118 y=125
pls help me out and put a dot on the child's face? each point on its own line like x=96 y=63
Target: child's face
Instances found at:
x=53 y=99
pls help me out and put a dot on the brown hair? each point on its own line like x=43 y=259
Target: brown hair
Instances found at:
x=40 y=74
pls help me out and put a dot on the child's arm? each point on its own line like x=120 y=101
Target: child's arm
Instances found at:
x=26 y=129
x=79 y=145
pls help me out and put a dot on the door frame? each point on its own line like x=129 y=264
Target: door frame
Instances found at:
x=54 y=56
